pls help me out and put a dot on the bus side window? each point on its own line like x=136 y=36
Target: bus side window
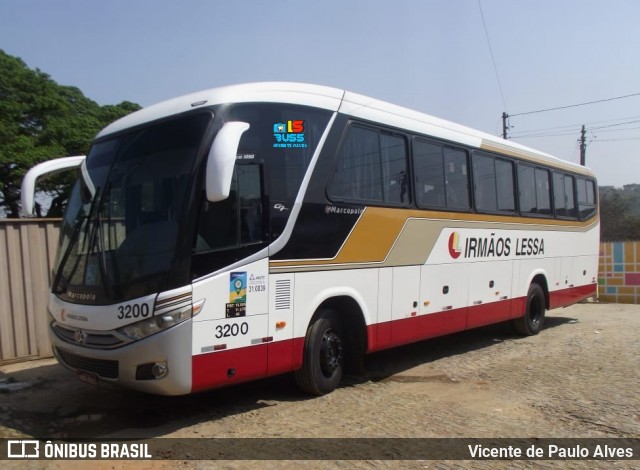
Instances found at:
x=543 y=196
x=563 y=195
x=570 y=197
x=236 y=221
x=394 y=169
x=586 y=198
x=484 y=181
x=456 y=179
x=527 y=189
x=429 y=174
x=358 y=174
x=371 y=167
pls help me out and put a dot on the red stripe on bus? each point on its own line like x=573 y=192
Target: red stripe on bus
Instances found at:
x=233 y=366
x=564 y=297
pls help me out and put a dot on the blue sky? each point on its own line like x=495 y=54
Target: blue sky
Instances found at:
x=429 y=55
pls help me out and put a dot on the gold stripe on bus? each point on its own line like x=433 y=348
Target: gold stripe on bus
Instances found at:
x=400 y=237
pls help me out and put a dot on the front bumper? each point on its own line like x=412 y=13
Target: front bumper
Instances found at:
x=122 y=365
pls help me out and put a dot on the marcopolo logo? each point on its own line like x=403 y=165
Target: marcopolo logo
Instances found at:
x=289 y=134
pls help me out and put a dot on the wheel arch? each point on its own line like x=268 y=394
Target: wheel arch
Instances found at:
x=353 y=316
x=539 y=276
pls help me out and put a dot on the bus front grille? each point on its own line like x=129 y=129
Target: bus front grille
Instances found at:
x=101 y=367
x=89 y=339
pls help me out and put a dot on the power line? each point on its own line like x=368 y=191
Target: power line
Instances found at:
x=614 y=125
x=533 y=136
x=576 y=127
x=571 y=129
x=615 y=140
x=493 y=60
x=574 y=105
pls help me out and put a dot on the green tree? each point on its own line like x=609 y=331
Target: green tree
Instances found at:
x=617 y=220
x=40 y=120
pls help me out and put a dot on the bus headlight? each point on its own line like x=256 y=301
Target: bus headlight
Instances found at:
x=159 y=323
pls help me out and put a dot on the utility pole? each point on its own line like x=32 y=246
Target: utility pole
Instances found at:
x=583 y=146
x=505 y=116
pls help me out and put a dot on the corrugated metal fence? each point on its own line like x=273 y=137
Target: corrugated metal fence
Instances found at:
x=27 y=254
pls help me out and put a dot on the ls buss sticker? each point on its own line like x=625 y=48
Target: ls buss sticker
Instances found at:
x=289 y=134
x=237 y=306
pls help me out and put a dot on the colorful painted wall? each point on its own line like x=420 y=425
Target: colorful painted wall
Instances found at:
x=619 y=272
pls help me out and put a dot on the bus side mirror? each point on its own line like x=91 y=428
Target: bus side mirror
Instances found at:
x=28 y=188
x=222 y=158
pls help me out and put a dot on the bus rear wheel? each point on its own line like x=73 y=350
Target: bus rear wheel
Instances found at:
x=323 y=357
x=531 y=322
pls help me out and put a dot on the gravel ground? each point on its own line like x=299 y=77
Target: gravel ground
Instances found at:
x=578 y=378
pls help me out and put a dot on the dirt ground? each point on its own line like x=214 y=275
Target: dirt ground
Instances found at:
x=578 y=378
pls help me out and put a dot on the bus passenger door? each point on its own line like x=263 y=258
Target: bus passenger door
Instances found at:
x=231 y=333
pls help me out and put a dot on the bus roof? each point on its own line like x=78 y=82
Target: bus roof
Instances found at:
x=346 y=102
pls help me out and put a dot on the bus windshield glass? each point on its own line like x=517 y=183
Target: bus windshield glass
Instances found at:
x=121 y=227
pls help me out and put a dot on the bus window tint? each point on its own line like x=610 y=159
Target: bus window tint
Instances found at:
x=493 y=183
x=456 y=179
x=527 y=190
x=429 y=174
x=563 y=198
x=484 y=181
x=543 y=197
x=505 y=186
x=586 y=198
x=570 y=196
x=357 y=174
x=236 y=221
x=394 y=169
x=371 y=167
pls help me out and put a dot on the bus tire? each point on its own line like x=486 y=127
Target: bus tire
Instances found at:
x=531 y=322
x=323 y=356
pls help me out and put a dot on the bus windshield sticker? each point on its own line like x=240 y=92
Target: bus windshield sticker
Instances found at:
x=289 y=134
x=238 y=288
x=237 y=306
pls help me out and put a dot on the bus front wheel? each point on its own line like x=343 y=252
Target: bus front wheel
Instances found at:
x=323 y=357
x=531 y=322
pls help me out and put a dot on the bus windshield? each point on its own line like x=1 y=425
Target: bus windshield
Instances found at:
x=121 y=227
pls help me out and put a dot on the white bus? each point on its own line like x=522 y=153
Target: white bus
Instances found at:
x=258 y=229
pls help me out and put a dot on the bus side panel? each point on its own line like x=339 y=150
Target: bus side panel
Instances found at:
x=313 y=288
x=409 y=330
x=228 y=367
x=231 y=332
x=405 y=287
x=281 y=324
x=489 y=292
x=580 y=283
x=565 y=297
x=382 y=331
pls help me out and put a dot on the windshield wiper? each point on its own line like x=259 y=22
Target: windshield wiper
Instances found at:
x=102 y=258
